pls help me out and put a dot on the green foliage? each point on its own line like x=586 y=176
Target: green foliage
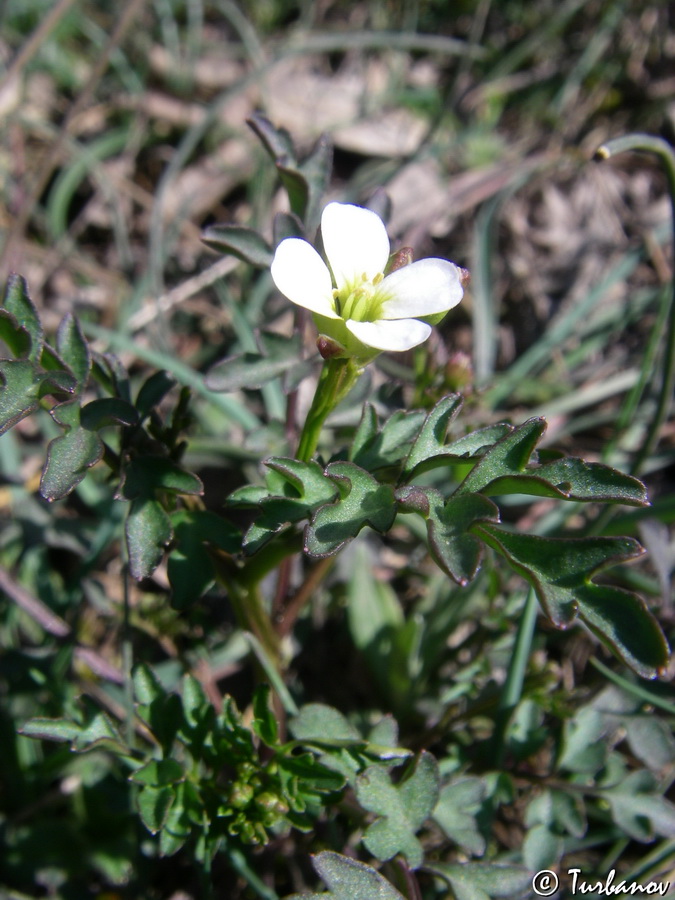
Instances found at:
x=347 y=878
x=402 y=808
x=456 y=720
x=460 y=524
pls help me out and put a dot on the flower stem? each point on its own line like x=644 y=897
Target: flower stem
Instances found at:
x=337 y=378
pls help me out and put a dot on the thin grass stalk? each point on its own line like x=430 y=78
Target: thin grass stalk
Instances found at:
x=664 y=152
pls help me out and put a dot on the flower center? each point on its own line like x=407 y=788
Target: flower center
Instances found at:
x=360 y=302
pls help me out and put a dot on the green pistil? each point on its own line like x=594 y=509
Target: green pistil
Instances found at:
x=360 y=304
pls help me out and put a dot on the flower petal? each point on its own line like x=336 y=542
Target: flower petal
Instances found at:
x=355 y=241
x=425 y=287
x=303 y=277
x=401 y=334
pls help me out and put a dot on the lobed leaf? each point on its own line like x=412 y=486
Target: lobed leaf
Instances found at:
x=561 y=572
x=455 y=549
x=70 y=455
x=639 y=808
x=509 y=456
x=99 y=730
x=429 y=449
x=363 y=501
x=294 y=490
x=402 y=808
x=374 y=449
x=458 y=805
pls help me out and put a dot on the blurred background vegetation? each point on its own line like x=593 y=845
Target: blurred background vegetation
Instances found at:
x=124 y=135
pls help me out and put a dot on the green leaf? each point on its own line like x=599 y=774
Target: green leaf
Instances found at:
x=651 y=740
x=639 y=808
x=74 y=350
x=363 y=502
x=20 y=391
x=286 y=225
x=240 y=241
x=277 y=141
x=61 y=730
x=152 y=392
x=561 y=572
x=583 y=749
x=458 y=805
x=159 y=773
x=154 y=804
x=559 y=810
x=386 y=447
x=147 y=688
x=478 y=881
x=190 y=567
x=478 y=442
x=374 y=614
x=148 y=531
x=70 y=455
x=146 y=474
x=16 y=338
x=98 y=731
x=320 y=724
x=317 y=169
x=264 y=721
x=542 y=848
x=296 y=187
x=504 y=469
x=429 y=450
x=18 y=303
x=507 y=457
x=107 y=411
x=172 y=818
x=294 y=490
x=456 y=551
x=310 y=774
x=402 y=808
x=194 y=701
x=573 y=479
x=161 y=712
x=278 y=355
x=348 y=879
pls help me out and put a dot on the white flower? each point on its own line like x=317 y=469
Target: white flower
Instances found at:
x=357 y=306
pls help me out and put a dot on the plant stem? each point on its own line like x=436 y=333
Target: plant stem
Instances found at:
x=337 y=378
x=127 y=661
